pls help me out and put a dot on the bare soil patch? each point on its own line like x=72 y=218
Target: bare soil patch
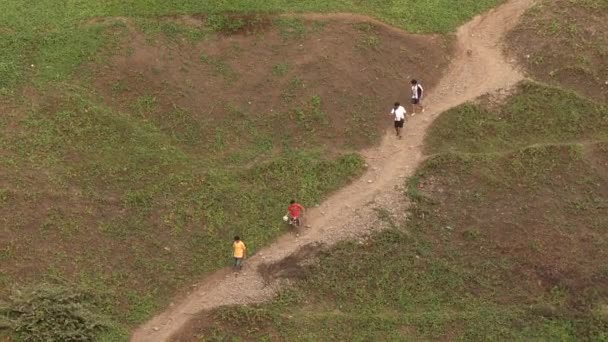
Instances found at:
x=564 y=43
x=274 y=70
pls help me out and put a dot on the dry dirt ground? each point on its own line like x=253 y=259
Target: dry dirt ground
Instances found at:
x=478 y=67
x=261 y=76
x=272 y=68
x=565 y=43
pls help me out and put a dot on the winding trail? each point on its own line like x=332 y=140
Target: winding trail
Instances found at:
x=478 y=67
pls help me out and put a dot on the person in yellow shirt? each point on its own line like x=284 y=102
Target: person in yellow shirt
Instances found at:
x=239 y=252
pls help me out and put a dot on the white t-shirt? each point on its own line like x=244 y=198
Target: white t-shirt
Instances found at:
x=417 y=91
x=399 y=113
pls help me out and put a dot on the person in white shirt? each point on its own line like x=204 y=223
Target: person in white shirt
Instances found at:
x=399 y=113
x=417 y=93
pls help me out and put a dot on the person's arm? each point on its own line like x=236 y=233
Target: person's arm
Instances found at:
x=244 y=251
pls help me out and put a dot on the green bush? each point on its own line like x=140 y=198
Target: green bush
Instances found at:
x=53 y=313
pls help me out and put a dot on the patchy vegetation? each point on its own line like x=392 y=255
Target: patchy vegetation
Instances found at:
x=501 y=244
x=54 y=313
x=305 y=75
x=46 y=42
x=536 y=114
x=564 y=43
x=131 y=179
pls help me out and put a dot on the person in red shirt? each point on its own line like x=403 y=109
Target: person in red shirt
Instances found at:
x=295 y=212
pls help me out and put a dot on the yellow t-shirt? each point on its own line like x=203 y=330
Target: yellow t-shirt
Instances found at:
x=239 y=249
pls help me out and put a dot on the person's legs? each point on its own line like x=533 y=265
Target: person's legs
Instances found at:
x=419 y=106
x=397 y=128
x=414 y=103
x=238 y=263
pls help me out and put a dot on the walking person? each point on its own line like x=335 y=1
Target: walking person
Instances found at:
x=294 y=212
x=239 y=252
x=399 y=113
x=417 y=94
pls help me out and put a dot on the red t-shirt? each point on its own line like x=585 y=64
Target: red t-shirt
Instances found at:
x=294 y=210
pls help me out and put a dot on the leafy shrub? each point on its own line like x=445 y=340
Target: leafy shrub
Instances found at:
x=53 y=313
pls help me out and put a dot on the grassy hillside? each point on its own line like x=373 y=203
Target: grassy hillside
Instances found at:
x=133 y=149
x=45 y=42
x=108 y=203
x=504 y=242
x=438 y=15
x=564 y=43
x=535 y=115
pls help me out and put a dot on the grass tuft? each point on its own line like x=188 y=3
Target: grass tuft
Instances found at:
x=54 y=313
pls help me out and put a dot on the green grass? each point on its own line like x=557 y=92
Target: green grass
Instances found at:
x=370 y=41
x=155 y=28
x=54 y=312
x=280 y=69
x=291 y=28
x=311 y=118
x=136 y=201
x=295 y=85
x=558 y=42
x=57 y=39
x=223 y=23
x=220 y=67
x=438 y=15
x=126 y=201
x=482 y=255
x=537 y=115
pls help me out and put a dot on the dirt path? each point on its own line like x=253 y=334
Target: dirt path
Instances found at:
x=478 y=67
